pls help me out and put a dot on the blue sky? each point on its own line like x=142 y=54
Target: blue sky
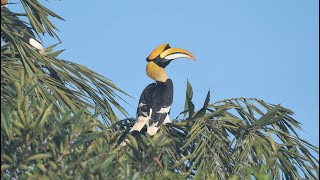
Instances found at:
x=262 y=49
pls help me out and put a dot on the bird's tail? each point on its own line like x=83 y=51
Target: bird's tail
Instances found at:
x=141 y=121
x=124 y=143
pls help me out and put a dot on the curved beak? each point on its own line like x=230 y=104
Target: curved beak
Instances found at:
x=175 y=53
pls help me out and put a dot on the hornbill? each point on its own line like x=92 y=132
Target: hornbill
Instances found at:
x=156 y=99
x=17 y=27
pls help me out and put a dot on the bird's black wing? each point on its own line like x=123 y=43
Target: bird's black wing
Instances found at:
x=14 y=25
x=144 y=101
x=161 y=102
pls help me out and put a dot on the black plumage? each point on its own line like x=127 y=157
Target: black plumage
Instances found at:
x=158 y=97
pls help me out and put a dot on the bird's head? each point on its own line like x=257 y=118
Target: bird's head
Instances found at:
x=161 y=57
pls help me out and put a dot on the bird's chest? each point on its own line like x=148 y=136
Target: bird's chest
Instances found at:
x=160 y=96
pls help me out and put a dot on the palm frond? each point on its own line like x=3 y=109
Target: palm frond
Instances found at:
x=61 y=82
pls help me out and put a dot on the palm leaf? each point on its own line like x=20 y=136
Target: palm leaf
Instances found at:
x=61 y=82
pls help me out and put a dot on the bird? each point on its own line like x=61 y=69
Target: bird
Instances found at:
x=18 y=27
x=156 y=99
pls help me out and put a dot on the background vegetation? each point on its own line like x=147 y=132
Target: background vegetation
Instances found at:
x=51 y=128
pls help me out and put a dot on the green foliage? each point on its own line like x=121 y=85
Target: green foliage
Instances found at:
x=38 y=142
x=49 y=130
x=59 y=82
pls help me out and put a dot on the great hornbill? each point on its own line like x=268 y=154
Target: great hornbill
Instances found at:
x=17 y=27
x=156 y=99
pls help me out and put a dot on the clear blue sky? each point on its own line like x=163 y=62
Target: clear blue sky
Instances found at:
x=262 y=49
